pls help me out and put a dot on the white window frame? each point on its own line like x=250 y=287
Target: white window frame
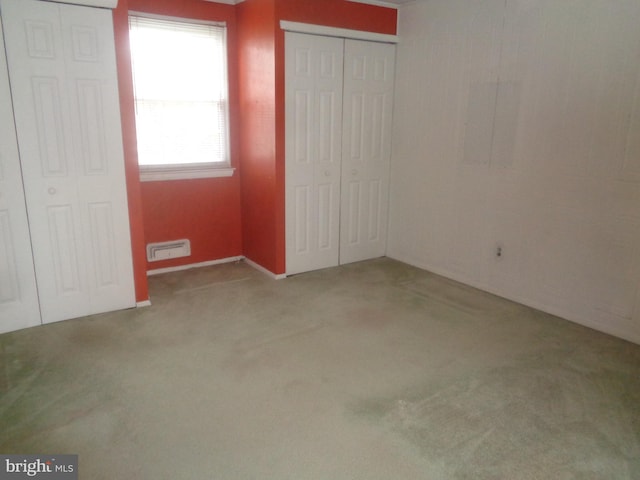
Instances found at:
x=154 y=173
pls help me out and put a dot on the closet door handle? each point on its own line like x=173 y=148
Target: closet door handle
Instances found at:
x=52 y=191
x=327 y=173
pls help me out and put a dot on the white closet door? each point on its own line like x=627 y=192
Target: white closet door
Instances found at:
x=63 y=79
x=313 y=76
x=18 y=294
x=366 y=149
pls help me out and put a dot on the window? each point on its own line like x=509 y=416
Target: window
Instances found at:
x=181 y=98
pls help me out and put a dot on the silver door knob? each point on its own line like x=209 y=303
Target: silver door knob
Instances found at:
x=52 y=191
x=327 y=173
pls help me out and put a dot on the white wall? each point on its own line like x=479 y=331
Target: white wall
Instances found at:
x=517 y=124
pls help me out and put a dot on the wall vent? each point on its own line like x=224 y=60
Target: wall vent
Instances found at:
x=166 y=250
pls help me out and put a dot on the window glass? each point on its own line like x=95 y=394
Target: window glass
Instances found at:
x=181 y=97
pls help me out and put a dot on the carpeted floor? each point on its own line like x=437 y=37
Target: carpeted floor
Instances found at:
x=374 y=370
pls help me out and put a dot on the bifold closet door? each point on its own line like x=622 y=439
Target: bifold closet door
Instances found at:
x=369 y=69
x=61 y=61
x=339 y=99
x=313 y=142
x=18 y=294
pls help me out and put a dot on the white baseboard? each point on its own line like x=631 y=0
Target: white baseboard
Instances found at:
x=260 y=268
x=179 y=268
x=239 y=258
x=581 y=318
x=144 y=303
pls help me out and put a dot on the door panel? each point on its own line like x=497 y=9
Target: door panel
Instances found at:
x=366 y=149
x=375 y=233
x=68 y=124
x=18 y=293
x=313 y=136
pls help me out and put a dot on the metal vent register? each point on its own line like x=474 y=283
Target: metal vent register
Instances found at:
x=166 y=250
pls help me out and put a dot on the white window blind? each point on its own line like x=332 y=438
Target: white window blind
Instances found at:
x=181 y=95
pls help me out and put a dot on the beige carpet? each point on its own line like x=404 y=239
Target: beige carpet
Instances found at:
x=375 y=370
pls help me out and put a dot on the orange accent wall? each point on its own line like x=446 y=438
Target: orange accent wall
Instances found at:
x=243 y=214
x=340 y=14
x=206 y=211
x=261 y=77
x=256 y=68
x=123 y=60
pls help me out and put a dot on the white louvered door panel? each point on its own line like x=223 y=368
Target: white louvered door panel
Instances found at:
x=62 y=67
x=313 y=135
x=18 y=293
x=366 y=149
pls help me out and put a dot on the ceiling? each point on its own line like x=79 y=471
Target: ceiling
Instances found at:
x=385 y=3
x=399 y=2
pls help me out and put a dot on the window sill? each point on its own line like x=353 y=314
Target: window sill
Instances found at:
x=184 y=172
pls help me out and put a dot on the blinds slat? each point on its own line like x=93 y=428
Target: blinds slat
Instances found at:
x=181 y=93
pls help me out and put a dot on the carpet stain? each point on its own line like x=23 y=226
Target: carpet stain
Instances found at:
x=369 y=318
x=540 y=416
